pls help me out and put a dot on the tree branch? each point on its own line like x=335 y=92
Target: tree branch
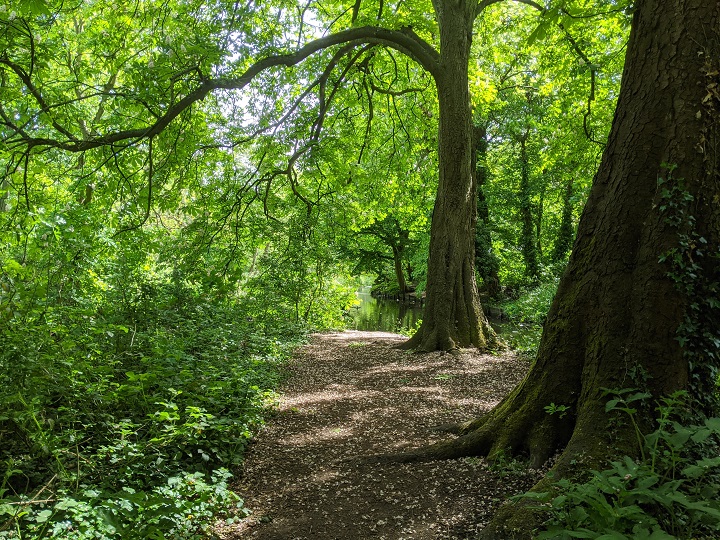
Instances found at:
x=574 y=45
x=487 y=3
x=404 y=41
x=44 y=107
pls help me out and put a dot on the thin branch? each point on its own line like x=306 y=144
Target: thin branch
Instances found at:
x=574 y=45
x=149 y=197
x=25 y=179
x=370 y=116
x=593 y=76
x=395 y=93
x=44 y=107
x=487 y=3
x=355 y=11
x=326 y=101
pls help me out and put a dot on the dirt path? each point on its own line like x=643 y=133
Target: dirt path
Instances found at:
x=352 y=394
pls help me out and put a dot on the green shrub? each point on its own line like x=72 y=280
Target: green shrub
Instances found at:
x=181 y=508
x=526 y=316
x=125 y=415
x=669 y=492
x=533 y=303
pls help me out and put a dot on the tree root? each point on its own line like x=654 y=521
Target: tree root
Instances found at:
x=517 y=520
x=455 y=429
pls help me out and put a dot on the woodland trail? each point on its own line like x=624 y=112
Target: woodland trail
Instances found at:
x=351 y=394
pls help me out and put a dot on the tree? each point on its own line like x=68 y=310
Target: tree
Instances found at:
x=486 y=262
x=143 y=108
x=565 y=232
x=389 y=233
x=529 y=237
x=639 y=296
x=78 y=123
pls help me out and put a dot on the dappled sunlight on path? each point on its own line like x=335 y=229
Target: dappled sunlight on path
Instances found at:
x=351 y=394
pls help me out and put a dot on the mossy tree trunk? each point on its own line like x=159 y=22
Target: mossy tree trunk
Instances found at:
x=453 y=316
x=486 y=262
x=528 y=238
x=617 y=310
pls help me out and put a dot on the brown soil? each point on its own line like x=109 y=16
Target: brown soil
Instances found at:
x=350 y=395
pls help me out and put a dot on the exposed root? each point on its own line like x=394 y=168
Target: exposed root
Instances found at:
x=456 y=429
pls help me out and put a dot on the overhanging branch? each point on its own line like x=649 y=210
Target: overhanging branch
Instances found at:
x=404 y=41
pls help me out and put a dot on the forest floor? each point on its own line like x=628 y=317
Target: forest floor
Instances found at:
x=350 y=395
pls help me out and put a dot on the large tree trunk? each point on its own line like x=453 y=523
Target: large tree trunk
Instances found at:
x=617 y=311
x=453 y=316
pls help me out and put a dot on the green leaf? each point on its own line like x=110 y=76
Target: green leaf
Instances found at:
x=659 y=534
x=578 y=514
x=43 y=516
x=34 y=7
x=638 y=395
x=581 y=533
x=700 y=435
x=612 y=535
x=7 y=509
x=701 y=467
x=610 y=405
x=713 y=424
x=539 y=33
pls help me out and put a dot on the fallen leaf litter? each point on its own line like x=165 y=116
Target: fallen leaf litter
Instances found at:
x=350 y=395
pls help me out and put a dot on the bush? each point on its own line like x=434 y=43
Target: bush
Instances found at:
x=669 y=492
x=124 y=416
x=526 y=316
x=533 y=303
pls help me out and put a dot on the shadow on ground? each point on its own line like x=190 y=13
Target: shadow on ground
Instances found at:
x=352 y=394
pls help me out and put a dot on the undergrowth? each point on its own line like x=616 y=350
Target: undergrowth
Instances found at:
x=121 y=421
x=668 y=492
x=526 y=315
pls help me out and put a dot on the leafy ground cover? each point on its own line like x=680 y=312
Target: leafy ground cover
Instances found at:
x=667 y=491
x=125 y=425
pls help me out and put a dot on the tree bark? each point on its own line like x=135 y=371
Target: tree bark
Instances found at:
x=528 y=239
x=617 y=311
x=486 y=262
x=453 y=316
